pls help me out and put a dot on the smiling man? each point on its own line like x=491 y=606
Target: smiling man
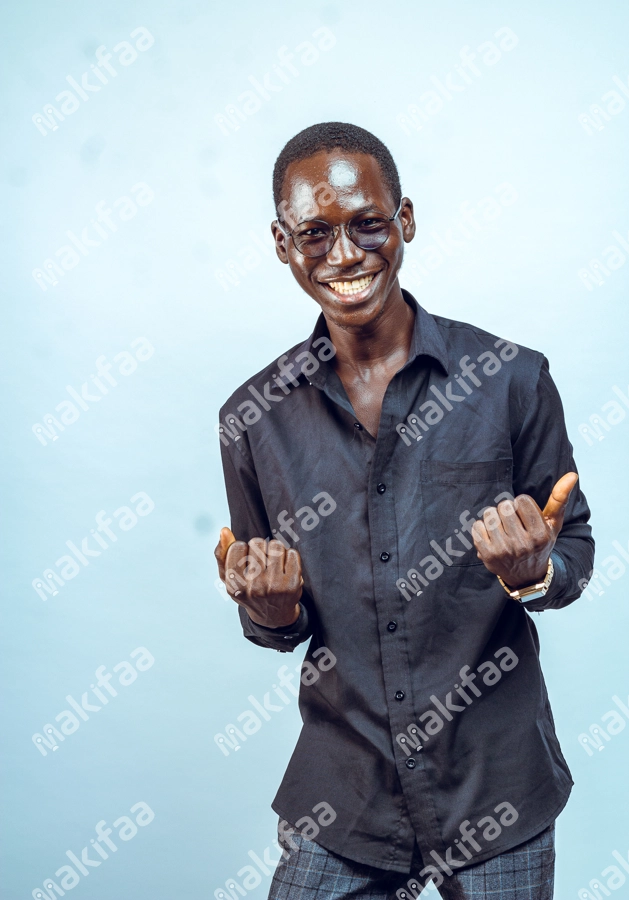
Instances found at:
x=402 y=490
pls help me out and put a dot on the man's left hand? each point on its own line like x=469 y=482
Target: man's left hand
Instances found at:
x=515 y=539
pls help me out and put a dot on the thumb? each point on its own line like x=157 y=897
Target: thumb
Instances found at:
x=225 y=540
x=555 y=509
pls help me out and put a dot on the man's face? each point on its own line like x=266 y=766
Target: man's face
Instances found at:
x=351 y=285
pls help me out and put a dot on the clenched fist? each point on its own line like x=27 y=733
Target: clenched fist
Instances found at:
x=263 y=577
x=514 y=540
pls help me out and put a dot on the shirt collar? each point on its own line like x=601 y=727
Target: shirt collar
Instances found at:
x=427 y=337
x=427 y=341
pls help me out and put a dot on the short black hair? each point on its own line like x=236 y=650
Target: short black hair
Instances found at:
x=330 y=136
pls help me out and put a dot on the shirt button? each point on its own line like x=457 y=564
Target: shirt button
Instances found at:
x=385 y=557
x=381 y=488
x=392 y=626
x=410 y=763
x=358 y=426
x=399 y=695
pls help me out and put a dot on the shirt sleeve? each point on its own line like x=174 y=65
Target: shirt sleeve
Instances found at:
x=542 y=453
x=248 y=520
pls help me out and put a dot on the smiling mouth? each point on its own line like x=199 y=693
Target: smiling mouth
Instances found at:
x=349 y=288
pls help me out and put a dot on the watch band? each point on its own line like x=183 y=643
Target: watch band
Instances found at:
x=533 y=591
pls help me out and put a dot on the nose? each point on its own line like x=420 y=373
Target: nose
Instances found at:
x=344 y=252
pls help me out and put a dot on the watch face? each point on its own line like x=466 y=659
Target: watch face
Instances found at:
x=534 y=594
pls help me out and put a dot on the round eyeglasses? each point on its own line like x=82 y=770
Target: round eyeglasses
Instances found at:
x=367 y=230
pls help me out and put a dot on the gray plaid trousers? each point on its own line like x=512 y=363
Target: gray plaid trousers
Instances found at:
x=312 y=873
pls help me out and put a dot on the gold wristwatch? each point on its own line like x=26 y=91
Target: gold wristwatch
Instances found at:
x=533 y=591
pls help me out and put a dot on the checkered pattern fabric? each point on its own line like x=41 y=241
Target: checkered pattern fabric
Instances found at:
x=313 y=873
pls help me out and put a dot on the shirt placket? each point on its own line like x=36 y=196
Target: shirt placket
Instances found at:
x=392 y=623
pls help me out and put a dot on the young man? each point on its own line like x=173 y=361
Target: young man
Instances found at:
x=418 y=486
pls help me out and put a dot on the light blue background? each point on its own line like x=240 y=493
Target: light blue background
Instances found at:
x=154 y=432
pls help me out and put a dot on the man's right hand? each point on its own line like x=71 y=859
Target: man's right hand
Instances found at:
x=263 y=577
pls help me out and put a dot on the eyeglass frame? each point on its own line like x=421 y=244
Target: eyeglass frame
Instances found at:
x=335 y=229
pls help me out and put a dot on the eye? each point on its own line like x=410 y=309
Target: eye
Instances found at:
x=312 y=231
x=369 y=223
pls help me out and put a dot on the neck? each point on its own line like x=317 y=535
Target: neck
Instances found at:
x=384 y=339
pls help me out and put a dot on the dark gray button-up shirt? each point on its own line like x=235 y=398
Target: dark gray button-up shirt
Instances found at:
x=435 y=713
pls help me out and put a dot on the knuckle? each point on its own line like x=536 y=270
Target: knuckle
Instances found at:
x=275 y=548
x=491 y=518
x=237 y=546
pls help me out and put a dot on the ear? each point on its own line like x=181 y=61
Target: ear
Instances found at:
x=407 y=218
x=280 y=242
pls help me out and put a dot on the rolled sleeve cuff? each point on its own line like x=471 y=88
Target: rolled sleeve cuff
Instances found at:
x=284 y=639
x=557 y=587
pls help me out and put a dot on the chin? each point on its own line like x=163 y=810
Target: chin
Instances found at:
x=354 y=313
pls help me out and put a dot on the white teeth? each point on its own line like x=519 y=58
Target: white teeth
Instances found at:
x=352 y=287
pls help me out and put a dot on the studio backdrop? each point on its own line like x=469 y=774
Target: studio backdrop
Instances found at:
x=144 y=738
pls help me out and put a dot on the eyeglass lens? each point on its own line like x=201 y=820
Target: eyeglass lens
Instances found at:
x=317 y=238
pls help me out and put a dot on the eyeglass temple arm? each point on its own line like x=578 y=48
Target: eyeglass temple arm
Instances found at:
x=396 y=213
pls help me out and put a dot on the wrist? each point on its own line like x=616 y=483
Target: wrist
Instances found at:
x=537 y=576
x=533 y=590
x=276 y=621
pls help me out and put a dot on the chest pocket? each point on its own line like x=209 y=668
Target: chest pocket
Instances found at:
x=453 y=495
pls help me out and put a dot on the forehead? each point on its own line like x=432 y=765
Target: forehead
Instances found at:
x=356 y=181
